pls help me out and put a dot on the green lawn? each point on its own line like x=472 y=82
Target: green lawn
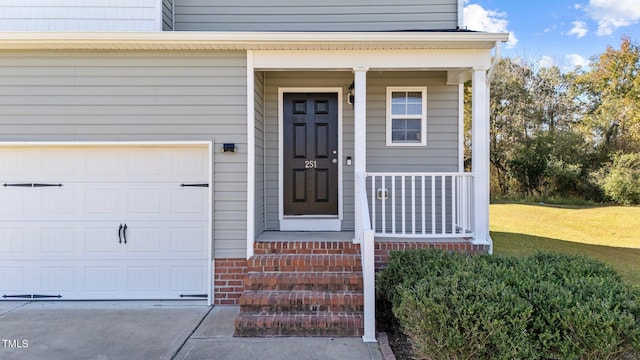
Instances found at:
x=611 y=234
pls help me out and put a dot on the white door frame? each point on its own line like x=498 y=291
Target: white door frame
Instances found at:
x=308 y=222
x=208 y=144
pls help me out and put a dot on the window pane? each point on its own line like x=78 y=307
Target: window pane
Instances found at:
x=398 y=125
x=414 y=109
x=399 y=99
x=398 y=103
x=413 y=136
x=398 y=109
x=412 y=124
x=406 y=103
x=414 y=97
x=405 y=130
x=397 y=136
x=400 y=95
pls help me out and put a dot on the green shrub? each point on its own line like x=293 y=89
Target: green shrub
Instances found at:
x=622 y=181
x=546 y=306
x=409 y=267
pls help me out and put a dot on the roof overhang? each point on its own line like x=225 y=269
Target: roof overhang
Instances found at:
x=198 y=41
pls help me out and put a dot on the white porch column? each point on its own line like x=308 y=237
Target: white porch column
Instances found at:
x=365 y=238
x=480 y=156
x=251 y=155
x=360 y=139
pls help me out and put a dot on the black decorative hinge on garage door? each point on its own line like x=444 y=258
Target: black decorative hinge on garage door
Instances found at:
x=32 y=185
x=194 y=185
x=31 y=296
x=193 y=296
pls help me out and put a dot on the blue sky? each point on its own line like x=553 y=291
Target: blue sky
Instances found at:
x=556 y=32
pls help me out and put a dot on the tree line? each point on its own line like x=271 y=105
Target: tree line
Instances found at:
x=566 y=135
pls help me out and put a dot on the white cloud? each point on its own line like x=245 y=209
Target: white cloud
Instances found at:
x=519 y=60
x=479 y=19
x=574 y=60
x=546 y=62
x=611 y=15
x=579 y=29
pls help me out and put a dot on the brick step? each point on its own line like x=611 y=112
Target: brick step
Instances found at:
x=300 y=324
x=306 y=247
x=325 y=281
x=305 y=263
x=301 y=301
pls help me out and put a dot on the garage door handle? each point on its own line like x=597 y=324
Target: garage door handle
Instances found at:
x=124 y=233
x=120 y=234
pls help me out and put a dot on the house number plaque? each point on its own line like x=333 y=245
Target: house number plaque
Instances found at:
x=310 y=164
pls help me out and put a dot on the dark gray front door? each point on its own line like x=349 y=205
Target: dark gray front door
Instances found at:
x=310 y=130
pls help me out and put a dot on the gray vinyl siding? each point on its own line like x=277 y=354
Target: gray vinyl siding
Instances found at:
x=440 y=154
x=307 y=15
x=77 y=15
x=260 y=154
x=167 y=15
x=83 y=96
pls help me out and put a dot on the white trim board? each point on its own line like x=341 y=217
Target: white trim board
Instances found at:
x=347 y=60
x=303 y=223
x=390 y=116
x=307 y=223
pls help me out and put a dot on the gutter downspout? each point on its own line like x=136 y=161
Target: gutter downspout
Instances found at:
x=494 y=63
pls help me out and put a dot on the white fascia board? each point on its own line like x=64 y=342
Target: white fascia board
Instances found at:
x=378 y=59
x=177 y=40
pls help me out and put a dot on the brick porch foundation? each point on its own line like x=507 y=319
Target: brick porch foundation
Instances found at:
x=230 y=273
x=228 y=280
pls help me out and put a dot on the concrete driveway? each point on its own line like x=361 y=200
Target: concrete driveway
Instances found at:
x=105 y=330
x=97 y=330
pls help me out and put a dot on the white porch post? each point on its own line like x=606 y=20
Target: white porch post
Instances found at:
x=360 y=139
x=364 y=237
x=251 y=155
x=480 y=156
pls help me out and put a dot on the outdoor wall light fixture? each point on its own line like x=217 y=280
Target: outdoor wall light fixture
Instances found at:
x=228 y=148
x=351 y=98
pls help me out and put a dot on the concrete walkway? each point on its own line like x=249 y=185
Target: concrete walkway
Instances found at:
x=104 y=330
x=214 y=340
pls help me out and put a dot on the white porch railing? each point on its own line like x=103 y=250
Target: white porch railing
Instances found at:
x=425 y=205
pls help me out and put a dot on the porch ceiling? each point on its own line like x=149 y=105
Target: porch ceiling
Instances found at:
x=248 y=40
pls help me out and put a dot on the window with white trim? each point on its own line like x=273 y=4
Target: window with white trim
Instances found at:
x=407 y=116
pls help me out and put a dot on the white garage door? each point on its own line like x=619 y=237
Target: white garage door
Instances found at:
x=104 y=222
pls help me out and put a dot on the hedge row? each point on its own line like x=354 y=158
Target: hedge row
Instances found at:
x=546 y=306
